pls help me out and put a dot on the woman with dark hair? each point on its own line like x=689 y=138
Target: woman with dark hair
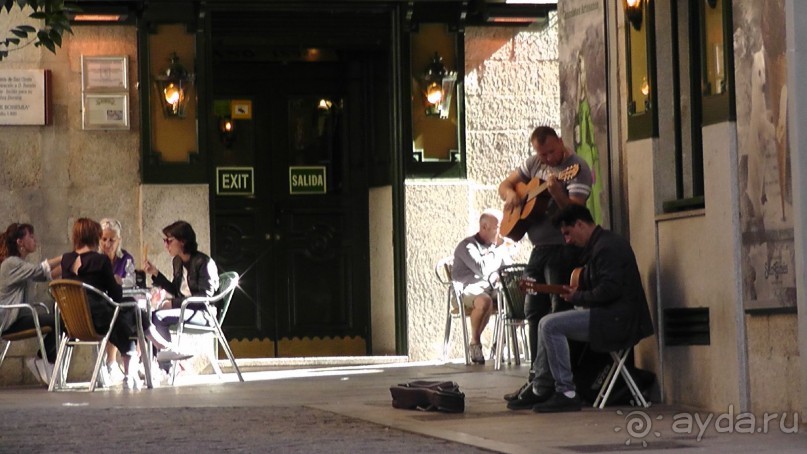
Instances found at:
x=194 y=274
x=16 y=243
x=88 y=265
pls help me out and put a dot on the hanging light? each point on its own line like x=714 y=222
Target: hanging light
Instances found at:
x=173 y=87
x=633 y=11
x=439 y=84
x=227 y=131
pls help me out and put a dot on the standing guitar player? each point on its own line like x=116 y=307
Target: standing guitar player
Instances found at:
x=551 y=260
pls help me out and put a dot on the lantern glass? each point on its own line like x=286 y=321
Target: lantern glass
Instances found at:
x=173 y=87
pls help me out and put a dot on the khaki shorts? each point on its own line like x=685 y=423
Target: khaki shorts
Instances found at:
x=470 y=292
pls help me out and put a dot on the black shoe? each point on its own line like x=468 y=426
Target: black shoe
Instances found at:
x=559 y=403
x=514 y=395
x=528 y=399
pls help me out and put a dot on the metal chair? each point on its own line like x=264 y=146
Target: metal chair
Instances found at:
x=73 y=305
x=455 y=310
x=227 y=284
x=511 y=315
x=37 y=331
x=618 y=367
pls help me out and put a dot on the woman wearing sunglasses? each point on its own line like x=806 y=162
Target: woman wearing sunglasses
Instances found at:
x=194 y=274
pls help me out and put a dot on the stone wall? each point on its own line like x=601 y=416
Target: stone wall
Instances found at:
x=511 y=86
x=52 y=175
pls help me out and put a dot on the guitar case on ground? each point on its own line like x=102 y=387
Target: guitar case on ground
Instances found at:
x=424 y=395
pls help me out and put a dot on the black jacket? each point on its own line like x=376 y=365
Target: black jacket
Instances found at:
x=612 y=288
x=203 y=277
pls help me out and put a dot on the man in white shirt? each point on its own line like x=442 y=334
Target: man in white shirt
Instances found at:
x=475 y=259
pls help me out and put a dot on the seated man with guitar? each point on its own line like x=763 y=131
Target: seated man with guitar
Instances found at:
x=475 y=259
x=611 y=309
x=552 y=178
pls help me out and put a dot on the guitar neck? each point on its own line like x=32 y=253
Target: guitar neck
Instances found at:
x=543 y=288
x=535 y=191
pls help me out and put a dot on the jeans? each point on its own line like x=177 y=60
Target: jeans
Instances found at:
x=550 y=264
x=552 y=362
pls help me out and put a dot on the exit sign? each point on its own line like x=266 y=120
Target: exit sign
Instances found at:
x=307 y=180
x=235 y=181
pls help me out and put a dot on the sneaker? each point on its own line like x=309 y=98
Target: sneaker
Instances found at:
x=514 y=395
x=171 y=353
x=133 y=383
x=476 y=354
x=116 y=374
x=559 y=403
x=528 y=399
x=33 y=366
x=158 y=375
x=104 y=380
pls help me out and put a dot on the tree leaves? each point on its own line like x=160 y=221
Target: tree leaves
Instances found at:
x=55 y=22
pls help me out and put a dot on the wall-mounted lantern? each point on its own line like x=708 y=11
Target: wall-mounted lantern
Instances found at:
x=634 y=12
x=439 y=84
x=173 y=88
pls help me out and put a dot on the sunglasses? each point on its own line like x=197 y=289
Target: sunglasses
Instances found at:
x=168 y=240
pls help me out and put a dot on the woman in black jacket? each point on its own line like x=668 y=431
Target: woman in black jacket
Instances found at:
x=194 y=274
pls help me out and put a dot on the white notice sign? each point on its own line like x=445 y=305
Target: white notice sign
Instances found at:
x=23 y=97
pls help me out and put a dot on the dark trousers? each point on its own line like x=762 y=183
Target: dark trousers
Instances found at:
x=124 y=332
x=547 y=265
x=26 y=321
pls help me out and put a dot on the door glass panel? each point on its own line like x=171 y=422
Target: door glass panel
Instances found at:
x=315 y=135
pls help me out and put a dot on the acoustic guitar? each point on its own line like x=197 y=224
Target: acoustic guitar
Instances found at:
x=534 y=198
x=530 y=286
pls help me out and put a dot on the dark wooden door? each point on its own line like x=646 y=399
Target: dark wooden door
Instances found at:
x=302 y=249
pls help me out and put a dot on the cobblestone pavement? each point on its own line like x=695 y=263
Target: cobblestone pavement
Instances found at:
x=339 y=409
x=223 y=429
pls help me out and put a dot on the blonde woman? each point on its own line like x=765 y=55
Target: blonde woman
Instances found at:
x=111 y=247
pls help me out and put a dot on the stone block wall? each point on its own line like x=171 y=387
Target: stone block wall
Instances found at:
x=511 y=86
x=52 y=175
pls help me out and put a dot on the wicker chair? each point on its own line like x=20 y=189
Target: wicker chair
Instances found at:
x=73 y=305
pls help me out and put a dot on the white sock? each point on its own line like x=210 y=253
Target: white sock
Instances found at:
x=569 y=394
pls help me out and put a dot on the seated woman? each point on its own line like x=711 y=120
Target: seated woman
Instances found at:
x=194 y=274
x=15 y=244
x=87 y=265
x=111 y=247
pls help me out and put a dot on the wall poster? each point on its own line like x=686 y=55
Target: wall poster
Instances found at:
x=583 y=83
x=766 y=194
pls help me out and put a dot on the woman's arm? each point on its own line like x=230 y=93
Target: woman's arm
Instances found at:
x=208 y=281
x=158 y=279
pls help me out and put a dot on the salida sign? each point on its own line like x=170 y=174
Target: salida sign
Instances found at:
x=307 y=180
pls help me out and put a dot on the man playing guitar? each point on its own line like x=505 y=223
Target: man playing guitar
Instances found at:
x=550 y=261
